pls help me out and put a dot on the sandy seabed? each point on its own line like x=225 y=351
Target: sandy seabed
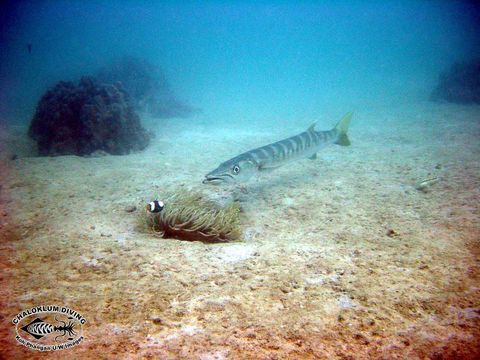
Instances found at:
x=340 y=258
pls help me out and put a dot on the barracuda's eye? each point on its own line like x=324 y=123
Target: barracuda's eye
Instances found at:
x=236 y=169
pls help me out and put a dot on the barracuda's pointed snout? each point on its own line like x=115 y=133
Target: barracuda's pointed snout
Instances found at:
x=213 y=180
x=217 y=176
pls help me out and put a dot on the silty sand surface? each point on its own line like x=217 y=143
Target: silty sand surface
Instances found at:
x=341 y=257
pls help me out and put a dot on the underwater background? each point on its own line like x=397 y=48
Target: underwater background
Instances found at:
x=369 y=251
x=243 y=61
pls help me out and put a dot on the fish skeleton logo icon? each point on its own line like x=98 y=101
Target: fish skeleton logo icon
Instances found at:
x=39 y=328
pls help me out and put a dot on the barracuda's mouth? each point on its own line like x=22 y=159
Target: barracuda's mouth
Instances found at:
x=217 y=179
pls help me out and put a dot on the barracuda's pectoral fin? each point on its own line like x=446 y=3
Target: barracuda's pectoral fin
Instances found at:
x=313 y=157
x=267 y=167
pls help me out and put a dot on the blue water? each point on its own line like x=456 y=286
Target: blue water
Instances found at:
x=241 y=61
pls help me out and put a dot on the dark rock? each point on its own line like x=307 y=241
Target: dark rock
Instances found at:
x=148 y=87
x=156 y=320
x=130 y=208
x=85 y=118
x=391 y=233
x=459 y=84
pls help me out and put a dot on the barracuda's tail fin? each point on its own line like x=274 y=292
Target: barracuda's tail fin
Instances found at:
x=342 y=128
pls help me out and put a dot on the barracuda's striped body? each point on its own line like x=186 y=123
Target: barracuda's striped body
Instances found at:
x=274 y=155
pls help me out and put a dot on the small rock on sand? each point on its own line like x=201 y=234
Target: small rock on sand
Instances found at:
x=345 y=302
x=130 y=208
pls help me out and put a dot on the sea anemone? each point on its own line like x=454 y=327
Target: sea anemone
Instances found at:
x=191 y=216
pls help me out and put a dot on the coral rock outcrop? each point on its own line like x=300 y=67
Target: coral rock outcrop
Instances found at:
x=79 y=119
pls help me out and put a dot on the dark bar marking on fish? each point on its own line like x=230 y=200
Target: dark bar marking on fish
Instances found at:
x=302 y=143
x=249 y=156
x=255 y=154
x=292 y=145
x=306 y=139
x=281 y=151
x=260 y=154
x=270 y=151
x=311 y=137
x=287 y=145
x=285 y=149
x=297 y=143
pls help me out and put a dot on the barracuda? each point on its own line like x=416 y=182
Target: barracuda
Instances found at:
x=271 y=156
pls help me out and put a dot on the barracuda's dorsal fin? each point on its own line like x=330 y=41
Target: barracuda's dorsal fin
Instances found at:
x=312 y=127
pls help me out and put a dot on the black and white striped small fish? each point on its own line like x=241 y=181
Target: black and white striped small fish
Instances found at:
x=155 y=206
x=271 y=156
